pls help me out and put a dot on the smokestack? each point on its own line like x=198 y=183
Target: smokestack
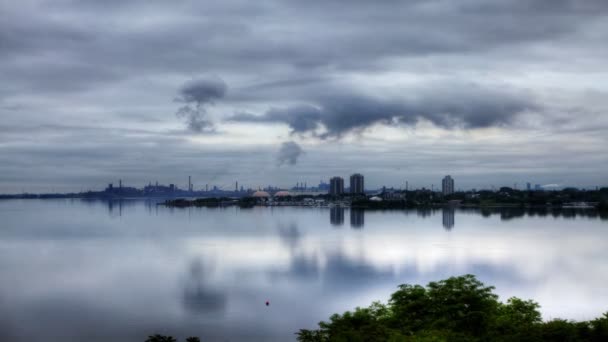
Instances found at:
x=120 y=183
x=236 y=186
x=206 y=187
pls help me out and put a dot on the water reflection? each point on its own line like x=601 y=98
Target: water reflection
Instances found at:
x=507 y=214
x=290 y=235
x=80 y=274
x=357 y=217
x=336 y=216
x=448 y=218
x=111 y=204
x=424 y=212
x=199 y=296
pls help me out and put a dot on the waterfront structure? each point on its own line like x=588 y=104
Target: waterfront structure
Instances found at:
x=336 y=186
x=392 y=195
x=356 y=184
x=261 y=194
x=282 y=193
x=447 y=185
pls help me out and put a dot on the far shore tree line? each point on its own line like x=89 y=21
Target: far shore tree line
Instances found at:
x=401 y=199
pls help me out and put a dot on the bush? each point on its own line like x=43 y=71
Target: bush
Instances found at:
x=455 y=309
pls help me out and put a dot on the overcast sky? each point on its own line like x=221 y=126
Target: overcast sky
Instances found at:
x=264 y=92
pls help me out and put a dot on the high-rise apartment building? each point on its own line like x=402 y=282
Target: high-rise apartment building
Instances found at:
x=447 y=185
x=356 y=184
x=336 y=186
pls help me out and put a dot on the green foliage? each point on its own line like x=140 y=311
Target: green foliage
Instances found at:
x=160 y=338
x=455 y=309
x=462 y=304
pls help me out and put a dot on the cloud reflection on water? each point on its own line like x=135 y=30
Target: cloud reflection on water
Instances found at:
x=80 y=273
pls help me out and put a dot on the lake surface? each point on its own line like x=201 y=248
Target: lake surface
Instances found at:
x=74 y=270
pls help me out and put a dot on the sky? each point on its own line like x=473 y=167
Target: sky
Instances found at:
x=492 y=92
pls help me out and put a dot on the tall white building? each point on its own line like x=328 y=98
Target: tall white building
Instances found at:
x=447 y=185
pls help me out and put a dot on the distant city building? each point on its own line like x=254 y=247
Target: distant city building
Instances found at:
x=528 y=186
x=356 y=184
x=447 y=185
x=537 y=187
x=392 y=195
x=336 y=186
x=323 y=186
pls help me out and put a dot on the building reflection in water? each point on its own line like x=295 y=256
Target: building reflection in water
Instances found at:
x=357 y=218
x=112 y=204
x=424 y=212
x=448 y=218
x=336 y=216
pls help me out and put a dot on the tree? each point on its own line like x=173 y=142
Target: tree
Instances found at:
x=193 y=339
x=160 y=338
x=364 y=324
x=455 y=309
x=559 y=330
x=517 y=320
x=599 y=329
x=462 y=304
x=410 y=306
x=305 y=335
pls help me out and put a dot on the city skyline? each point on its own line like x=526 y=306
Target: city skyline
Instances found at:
x=446 y=187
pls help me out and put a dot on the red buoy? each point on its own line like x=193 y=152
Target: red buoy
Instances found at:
x=267 y=303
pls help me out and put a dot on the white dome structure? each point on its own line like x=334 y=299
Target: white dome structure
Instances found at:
x=282 y=193
x=261 y=194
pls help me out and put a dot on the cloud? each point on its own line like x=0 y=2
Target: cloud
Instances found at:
x=300 y=119
x=289 y=153
x=455 y=105
x=197 y=94
x=318 y=68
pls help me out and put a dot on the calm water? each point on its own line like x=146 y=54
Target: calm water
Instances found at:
x=73 y=270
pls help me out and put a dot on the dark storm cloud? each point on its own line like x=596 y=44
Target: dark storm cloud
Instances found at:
x=197 y=94
x=300 y=119
x=202 y=91
x=289 y=153
x=448 y=106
